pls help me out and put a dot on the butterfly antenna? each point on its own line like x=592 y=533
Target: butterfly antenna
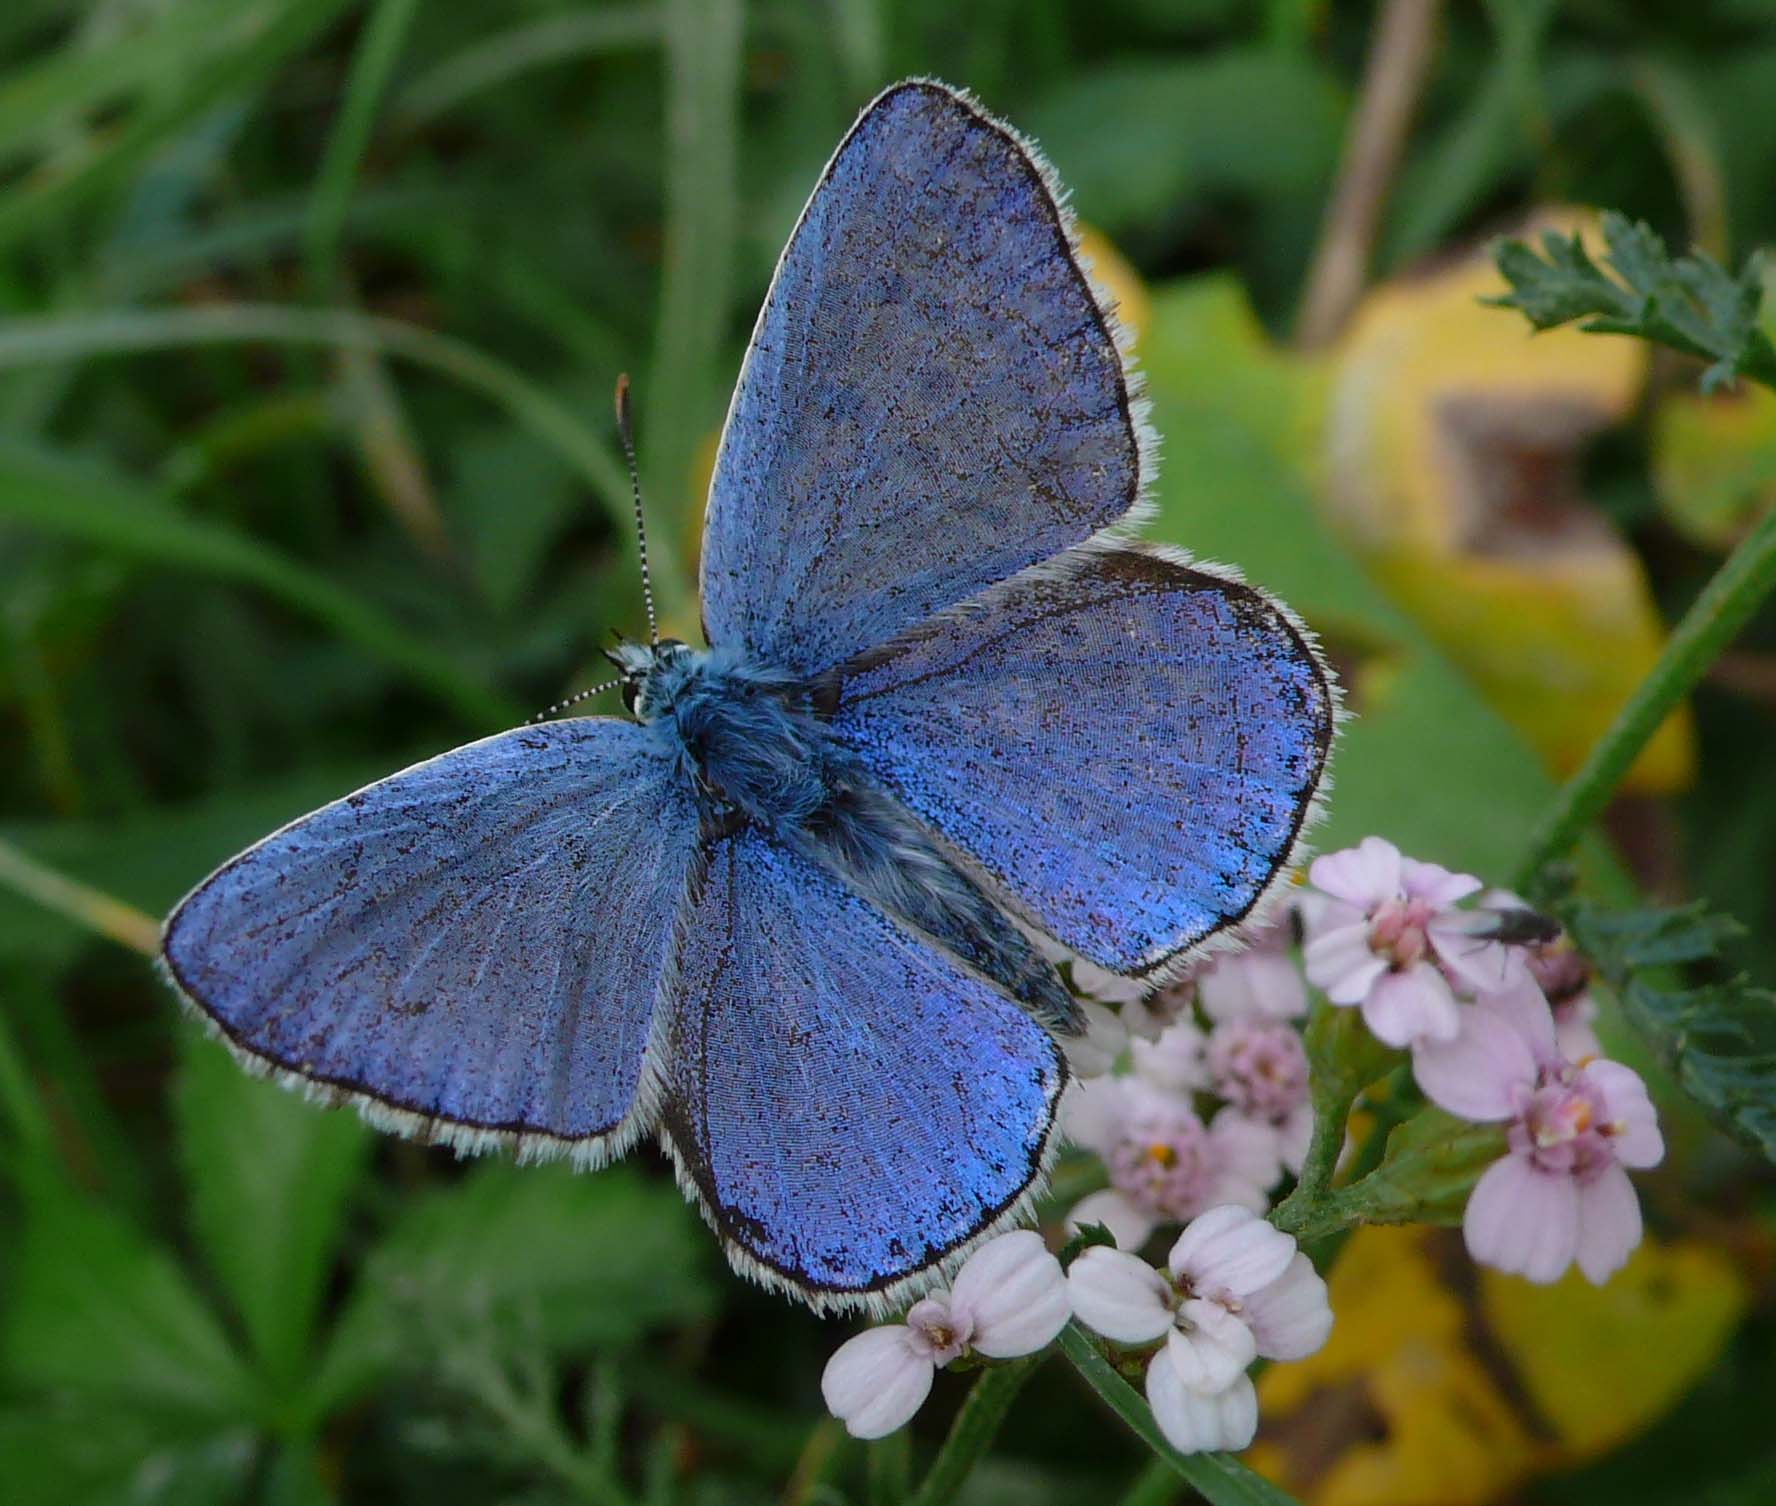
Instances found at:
x=575 y=699
x=627 y=435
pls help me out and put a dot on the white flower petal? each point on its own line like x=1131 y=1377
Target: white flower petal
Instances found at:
x=1231 y=1249
x=1435 y=884
x=1194 y=1423
x=875 y=1382
x=1131 y=1224
x=1609 y=1224
x=1482 y=1074
x=1091 y=1113
x=1174 y=1061
x=1101 y=983
x=1341 y=963
x=1247 y=1159
x=1574 y=1039
x=1014 y=1293
x=1119 y=1295
x=1523 y=1221
x=1105 y=1039
x=1294 y=1135
x=1633 y=1122
x=1263 y=983
x=1291 y=1317
x=1412 y=1005
x=1525 y=1007
x=1210 y=1347
x=1363 y=875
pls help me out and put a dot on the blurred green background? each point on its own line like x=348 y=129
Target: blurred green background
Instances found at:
x=310 y=312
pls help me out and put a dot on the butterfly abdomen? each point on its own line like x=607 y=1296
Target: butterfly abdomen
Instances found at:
x=864 y=836
x=760 y=752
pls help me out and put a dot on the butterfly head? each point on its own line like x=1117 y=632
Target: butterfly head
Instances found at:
x=643 y=682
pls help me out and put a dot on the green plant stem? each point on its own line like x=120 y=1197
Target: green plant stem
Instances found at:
x=1157 y=1485
x=371 y=65
x=1221 y=1479
x=78 y=902
x=42 y=341
x=1346 y=1059
x=889 y=1469
x=973 y=1431
x=19 y=1102
x=1726 y=603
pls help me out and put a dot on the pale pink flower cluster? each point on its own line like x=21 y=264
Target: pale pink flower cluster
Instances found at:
x=1388 y=936
x=1195 y=1097
x=1561 y=1194
x=1233 y=1289
x=1009 y=1299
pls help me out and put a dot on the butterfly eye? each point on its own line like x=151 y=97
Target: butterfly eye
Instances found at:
x=631 y=693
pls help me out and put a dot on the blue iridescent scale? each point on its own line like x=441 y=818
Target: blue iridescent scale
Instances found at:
x=794 y=916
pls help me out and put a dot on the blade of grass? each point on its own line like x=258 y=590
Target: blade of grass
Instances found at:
x=1222 y=1479
x=507 y=54
x=1500 y=122
x=89 y=907
x=42 y=97
x=30 y=342
x=702 y=104
x=19 y=1103
x=63 y=184
x=81 y=500
x=1726 y=604
x=973 y=1431
x=371 y=65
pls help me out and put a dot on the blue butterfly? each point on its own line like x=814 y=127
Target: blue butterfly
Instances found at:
x=797 y=914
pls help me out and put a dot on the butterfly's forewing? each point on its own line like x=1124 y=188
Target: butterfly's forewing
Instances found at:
x=470 y=949
x=931 y=402
x=849 y=1105
x=1127 y=747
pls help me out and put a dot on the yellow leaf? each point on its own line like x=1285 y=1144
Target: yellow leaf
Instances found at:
x=1602 y=1363
x=1112 y=273
x=1453 y=446
x=1441 y=1386
x=1714 y=461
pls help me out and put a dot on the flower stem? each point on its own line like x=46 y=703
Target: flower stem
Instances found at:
x=890 y=1469
x=79 y=902
x=1711 y=623
x=973 y=1431
x=1345 y=1059
x=1221 y=1479
x=1157 y=1485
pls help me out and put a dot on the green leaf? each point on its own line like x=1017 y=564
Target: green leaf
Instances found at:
x=75 y=1451
x=1220 y=1478
x=99 y=1312
x=703 y=56
x=1133 y=140
x=83 y=500
x=1431 y=1165
x=545 y=1255
x=66 y=180
x=270 y=1178
x=1688 y=303
x=1718 y=1038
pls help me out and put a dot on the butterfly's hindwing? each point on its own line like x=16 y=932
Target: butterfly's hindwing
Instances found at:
x=1129 y=748
x=849 y=1106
